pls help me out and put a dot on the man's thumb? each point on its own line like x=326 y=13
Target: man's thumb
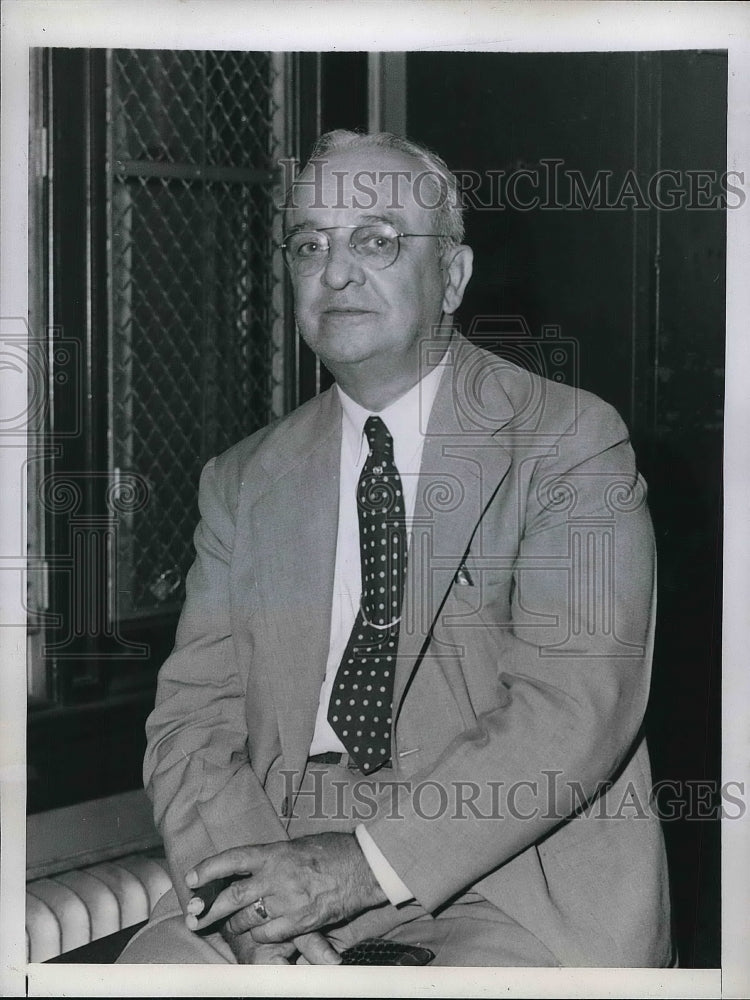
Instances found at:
x=317 y=949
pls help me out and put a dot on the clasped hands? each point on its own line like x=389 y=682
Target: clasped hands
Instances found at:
x=305 y=884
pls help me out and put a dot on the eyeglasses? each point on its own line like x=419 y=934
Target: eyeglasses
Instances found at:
x=378 y=245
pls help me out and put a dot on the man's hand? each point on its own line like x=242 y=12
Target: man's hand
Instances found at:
x=305 y=884
x=313 y=949
x=247 y=951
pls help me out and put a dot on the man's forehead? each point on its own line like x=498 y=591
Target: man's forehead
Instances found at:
x=375 y=181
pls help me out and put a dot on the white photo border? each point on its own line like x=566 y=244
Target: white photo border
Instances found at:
x=377 y=25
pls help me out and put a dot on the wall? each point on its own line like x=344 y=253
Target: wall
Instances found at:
x=641 y=292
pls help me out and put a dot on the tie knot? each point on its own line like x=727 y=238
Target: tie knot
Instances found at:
x=379 y=439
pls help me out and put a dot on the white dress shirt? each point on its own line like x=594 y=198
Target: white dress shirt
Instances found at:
x=406 y=419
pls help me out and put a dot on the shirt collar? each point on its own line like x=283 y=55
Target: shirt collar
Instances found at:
x=406 y=419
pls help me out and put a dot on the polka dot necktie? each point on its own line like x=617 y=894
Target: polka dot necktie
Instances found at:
x=360 y=708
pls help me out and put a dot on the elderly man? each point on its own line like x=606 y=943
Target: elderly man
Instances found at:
x=407 y=692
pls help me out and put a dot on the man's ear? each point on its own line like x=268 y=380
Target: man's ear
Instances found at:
x=460 y=263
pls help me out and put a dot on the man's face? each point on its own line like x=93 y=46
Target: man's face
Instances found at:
x=347 y=312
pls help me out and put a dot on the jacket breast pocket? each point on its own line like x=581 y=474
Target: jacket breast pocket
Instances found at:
x=478 y=596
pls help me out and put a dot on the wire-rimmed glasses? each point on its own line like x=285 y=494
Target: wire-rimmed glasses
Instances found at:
x=376 y=244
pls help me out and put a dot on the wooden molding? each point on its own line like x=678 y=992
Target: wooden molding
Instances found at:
x=88 y=832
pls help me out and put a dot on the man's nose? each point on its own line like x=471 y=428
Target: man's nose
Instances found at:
x=342 y=266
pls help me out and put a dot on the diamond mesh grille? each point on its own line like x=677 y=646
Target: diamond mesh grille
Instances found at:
x=195 y=288
x=194 y=107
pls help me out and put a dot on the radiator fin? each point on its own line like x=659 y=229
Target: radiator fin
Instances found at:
x=73 y=908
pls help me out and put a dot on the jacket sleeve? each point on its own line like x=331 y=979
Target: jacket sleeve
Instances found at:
x=197 y=773
x=569 y=698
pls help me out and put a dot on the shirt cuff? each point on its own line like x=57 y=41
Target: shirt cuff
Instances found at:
x=396 y=891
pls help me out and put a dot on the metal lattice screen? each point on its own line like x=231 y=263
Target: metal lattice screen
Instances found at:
x=196 y=326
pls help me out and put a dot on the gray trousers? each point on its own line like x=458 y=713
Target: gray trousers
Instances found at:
x=470 y=931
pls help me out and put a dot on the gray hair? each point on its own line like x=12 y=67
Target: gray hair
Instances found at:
x=439 y=181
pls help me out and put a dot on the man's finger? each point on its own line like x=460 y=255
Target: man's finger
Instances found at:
x=244 y=920
x=274 y=931
x=205 y=895
x=271 y=954
x=238 y=896
x=234 y=861
x=316 y=949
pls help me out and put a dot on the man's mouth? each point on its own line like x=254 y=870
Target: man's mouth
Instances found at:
x=346 y=310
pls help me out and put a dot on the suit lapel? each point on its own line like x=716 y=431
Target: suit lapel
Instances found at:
x=463 y=465
x=295 y=527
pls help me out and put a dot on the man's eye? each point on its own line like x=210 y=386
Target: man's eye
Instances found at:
x=375 y=243
x=310 y=248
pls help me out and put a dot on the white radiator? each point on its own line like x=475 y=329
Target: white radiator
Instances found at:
x=73 y=908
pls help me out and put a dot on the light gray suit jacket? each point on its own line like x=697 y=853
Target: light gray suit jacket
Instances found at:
x=521 y=682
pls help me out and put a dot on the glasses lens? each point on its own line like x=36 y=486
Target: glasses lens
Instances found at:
x=306 y=251
x=378 y=244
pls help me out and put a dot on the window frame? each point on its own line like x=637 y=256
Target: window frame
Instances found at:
x=93 y=694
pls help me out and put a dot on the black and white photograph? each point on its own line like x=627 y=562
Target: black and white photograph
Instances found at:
x=374 y=493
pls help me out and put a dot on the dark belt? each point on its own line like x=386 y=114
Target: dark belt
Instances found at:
x=332 y=757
